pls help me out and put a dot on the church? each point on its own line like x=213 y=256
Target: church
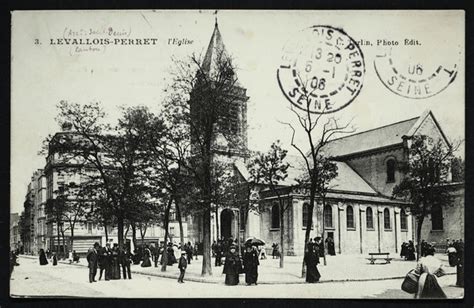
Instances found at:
x=359 y=213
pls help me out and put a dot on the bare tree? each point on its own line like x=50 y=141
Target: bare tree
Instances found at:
x=317 y=137
x=273 y=170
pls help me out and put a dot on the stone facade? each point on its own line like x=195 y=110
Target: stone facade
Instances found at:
x=453 y=222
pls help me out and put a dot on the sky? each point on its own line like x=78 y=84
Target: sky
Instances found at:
x=43 y=74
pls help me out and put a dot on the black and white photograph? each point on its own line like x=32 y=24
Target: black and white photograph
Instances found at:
x=241 y=154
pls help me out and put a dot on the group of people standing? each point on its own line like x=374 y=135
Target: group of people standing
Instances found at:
x=109 y=260
x=43 y=258
x=234 y=265
x=407 y=251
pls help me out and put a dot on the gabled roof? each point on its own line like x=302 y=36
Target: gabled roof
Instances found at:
x=371 y=139
x=215 y=49
x=346 y=180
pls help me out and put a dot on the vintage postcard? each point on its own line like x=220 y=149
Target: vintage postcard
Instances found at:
x=237 y=154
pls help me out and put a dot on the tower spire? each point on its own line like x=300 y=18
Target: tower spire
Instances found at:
x=215 y=49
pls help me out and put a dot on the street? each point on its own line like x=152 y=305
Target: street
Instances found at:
x=31 y=279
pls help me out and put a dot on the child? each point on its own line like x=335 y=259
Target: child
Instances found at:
x=182 y=264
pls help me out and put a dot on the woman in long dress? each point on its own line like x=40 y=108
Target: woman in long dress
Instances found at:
x=428 y=286
x=115 y=273
x=251 y=264
x=146 y=258
x=42 y=258
x=311 y=260
x=171 y=257
x=232 y=267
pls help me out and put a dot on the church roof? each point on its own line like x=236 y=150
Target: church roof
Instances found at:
x=371 y=139
x=215 y=50
x=346 y=180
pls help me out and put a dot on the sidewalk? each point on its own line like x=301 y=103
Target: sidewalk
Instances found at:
x=339 y=268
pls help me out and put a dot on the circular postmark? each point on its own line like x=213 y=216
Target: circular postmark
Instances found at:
x=322 y=69
x=417 y=71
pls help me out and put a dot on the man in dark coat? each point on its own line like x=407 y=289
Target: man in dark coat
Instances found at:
x=330 y=246
x=219 y=253
x=182 y=265
x=156 y=254
x=125 y=261
x=92 y=260
x=105 y=255
x=251 y=264
x=460 y=264
x=311 y=260
x=189 y=252
x=275 y=251
x=411 y=251
x=232 y=267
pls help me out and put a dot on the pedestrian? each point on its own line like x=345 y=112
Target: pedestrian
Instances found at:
x=115 y=263
x=311 y=259
x=13 y=262
x=146 y=257
x=55 y=259
x=42 y=258
x=196 y=250
x=460 y=264
x=92 y=261
x=182 y=265
x=218 y=253
x=105 y=262
x=156 y=253
x=232 y=267
x=423 y=246
x=170 y=251
x=310 y=244
x=75 y=256
x=428 y=286
x=189 y=252
x=125 y=261
x=275 y=251
x=403 y=251
x=330 y=244
x=213 y=248
x=318 y=242
x=251 y=264
x=263 y=254
x=410 y=251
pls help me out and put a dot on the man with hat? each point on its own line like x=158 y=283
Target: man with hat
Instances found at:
x=182 y=264
x=92 y=259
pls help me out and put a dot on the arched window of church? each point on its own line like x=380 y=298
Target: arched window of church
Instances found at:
x=369 y=218
x=275 y=216
x=436 y=217
x=350 y=217
x=328 y=216
x=403 y=220
x=305 y=214
x=386 y=219
x=391 y=170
